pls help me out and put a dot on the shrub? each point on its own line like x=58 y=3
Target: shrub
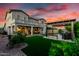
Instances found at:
x=56 y=51
x=16 y=39
x=76 y=29
x=69 y=50
x=60 y=31
x=68 y=28
x=63 y=48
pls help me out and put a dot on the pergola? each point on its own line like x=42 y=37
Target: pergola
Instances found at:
x=64 y=23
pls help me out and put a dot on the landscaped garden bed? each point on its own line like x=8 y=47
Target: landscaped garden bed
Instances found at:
x=39 y=46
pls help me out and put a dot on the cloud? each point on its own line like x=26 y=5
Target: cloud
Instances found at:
x=47 y=11
x=37 y=11
x=57 y=7
x=68 y=16
x=32 y=12
x=52 y=11
x=4 y=8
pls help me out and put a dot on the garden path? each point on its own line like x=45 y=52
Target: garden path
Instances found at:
x=4 y=51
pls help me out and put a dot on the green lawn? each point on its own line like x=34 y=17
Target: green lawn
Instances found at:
x=39 y=46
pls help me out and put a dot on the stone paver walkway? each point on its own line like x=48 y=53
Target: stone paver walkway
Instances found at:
x=4 y=51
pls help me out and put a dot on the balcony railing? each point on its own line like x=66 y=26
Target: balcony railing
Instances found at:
x=29 y=23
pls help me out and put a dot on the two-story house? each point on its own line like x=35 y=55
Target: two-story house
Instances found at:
x=18 y=20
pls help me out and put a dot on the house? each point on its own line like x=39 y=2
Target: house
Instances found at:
x=18 y=20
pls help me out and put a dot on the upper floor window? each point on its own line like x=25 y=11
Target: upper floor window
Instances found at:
x=24 y=18
x=18 y=16
x=42 y=22
x=39 y=21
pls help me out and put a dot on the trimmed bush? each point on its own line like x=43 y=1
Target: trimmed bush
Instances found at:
x=56 y=51
x=16 y=39
x=63 y=48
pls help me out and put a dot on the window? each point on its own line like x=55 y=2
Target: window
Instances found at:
x=24 y=18
x=9 y=27
x=13 y=28
x=42 y=22
x=39 y=21
x=18 y=16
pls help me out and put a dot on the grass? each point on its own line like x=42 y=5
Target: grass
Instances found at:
x=39 y=46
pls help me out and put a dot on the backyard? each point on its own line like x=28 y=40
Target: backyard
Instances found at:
x=39 y=46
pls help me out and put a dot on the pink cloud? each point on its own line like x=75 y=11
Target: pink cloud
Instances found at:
x=37 y=11
x=48 y=11
x=68 y=16
x=57 y=7
x=4 y=9
x=32 y=12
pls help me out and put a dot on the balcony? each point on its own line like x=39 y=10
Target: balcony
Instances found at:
x=24 y=22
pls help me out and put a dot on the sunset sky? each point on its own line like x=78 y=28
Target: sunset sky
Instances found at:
x=50 y=11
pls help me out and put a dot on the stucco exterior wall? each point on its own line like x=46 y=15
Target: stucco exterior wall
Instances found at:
x=19 y=18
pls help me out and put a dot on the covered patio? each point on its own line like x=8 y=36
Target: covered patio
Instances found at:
x=28 y=30
x=61 y=30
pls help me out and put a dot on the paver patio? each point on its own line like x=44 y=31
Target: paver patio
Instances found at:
x=4 y=51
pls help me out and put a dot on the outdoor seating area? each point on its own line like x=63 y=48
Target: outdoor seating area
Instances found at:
x=61 y=30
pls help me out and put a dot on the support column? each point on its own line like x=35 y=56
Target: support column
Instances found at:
x=41 y=30
x=31 y=30
x=11 y=31
x=72 y=28
x=44 y=29
x=15 y=29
